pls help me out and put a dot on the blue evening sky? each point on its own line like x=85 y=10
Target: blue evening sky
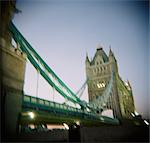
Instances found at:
x=62 y=31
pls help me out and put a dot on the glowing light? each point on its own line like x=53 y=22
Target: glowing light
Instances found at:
x=103 y=85
x=136 y=113
x=77 y=122
x=31 y=114
x=32 y=126
x=66 y=126
x=88 y=109
x=53 y=126
x=146 y=122
x=132 y=114
x=100 y=85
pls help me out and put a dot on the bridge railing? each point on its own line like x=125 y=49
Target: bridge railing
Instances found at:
x=42 y=104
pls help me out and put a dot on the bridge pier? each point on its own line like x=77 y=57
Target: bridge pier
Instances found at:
x=12 y=72
x=12 y=81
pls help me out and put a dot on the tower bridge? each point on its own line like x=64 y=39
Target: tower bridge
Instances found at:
x=86 y=111
x=20 y=107
x=105 y=87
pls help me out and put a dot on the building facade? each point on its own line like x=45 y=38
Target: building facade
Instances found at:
x=119 y=97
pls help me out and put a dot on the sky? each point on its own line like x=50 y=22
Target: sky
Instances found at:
x=63 y=31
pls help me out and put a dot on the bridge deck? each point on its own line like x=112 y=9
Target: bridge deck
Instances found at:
x=51 y=112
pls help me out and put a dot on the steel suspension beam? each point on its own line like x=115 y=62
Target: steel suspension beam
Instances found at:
x=46 y=72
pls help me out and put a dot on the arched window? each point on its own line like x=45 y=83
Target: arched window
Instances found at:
x=97 y=69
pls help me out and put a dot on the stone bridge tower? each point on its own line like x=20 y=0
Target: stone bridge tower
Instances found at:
x=12 y=70
x=98 y=72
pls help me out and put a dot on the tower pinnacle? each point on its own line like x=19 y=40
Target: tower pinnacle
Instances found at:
x=87 y=58
x=99 y=46
x=110 y=52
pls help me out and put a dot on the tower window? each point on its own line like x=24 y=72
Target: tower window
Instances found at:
x=101 y=85
x=97 y=69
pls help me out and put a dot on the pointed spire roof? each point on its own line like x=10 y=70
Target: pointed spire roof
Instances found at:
x=87 y=58
x=86 y=54
x=110 y=52
x=101 y=53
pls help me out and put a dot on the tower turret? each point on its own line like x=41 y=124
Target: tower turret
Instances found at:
x=87 y=61
x=111 y=55
x=113 y=60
